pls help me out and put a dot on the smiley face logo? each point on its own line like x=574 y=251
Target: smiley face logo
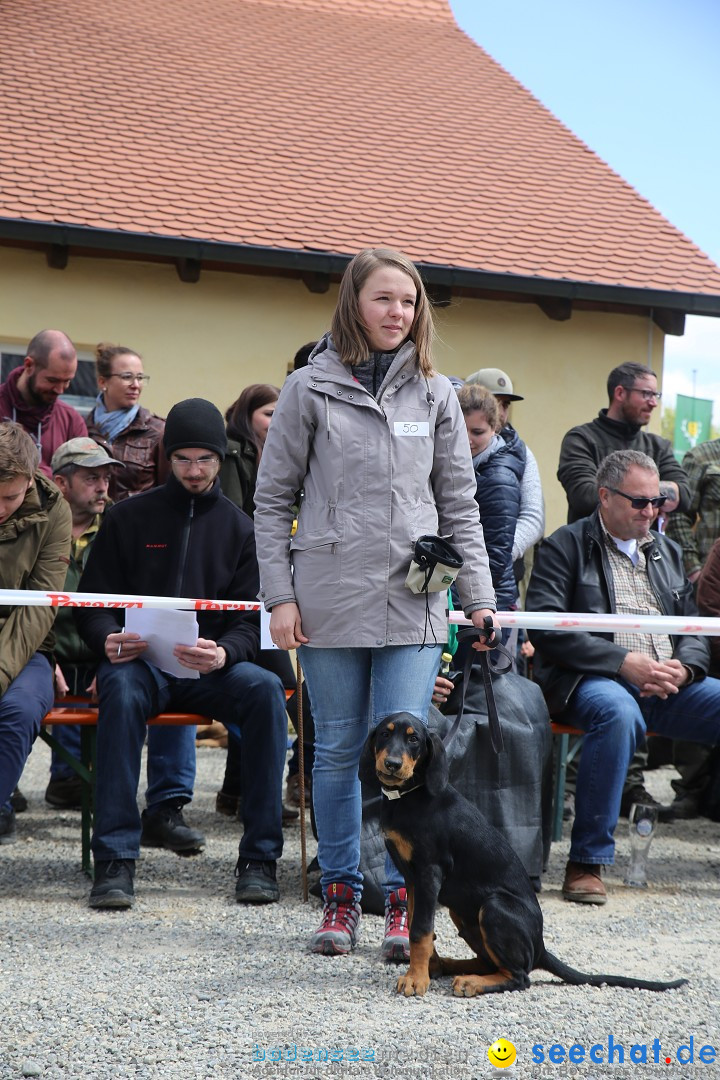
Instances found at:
x=501 y=1054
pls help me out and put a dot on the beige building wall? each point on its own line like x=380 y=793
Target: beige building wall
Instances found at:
x=212 y=338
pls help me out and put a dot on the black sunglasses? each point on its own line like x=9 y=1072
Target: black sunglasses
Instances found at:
x=638 y=503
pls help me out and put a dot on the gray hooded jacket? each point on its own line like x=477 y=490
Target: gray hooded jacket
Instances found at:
x=376 y=475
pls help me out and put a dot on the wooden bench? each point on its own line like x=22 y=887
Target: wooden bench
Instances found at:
x=84 y=713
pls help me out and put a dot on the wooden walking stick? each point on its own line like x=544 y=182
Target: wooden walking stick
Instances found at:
x=301 y=777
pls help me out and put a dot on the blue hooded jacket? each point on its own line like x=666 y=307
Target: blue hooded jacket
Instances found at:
x=499 y=470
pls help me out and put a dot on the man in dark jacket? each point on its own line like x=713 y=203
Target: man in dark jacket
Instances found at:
x=633 y=394
x=615 y=686
x=182 y=539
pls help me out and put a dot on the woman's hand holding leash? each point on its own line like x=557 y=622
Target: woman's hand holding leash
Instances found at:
x=485 y=621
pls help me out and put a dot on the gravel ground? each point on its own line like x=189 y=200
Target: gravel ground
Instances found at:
x=191 y=984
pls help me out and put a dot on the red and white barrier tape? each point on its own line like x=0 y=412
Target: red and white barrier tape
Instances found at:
x=700 y=625
x=31 y=598
x=530 y=620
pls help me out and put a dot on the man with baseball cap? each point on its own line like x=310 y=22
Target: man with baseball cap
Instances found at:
x=81 y=469
x=498 y=383
x=82 y=453
x=183 y=538
x=530 y=525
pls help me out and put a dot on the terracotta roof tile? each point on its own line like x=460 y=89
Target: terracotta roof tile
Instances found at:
x=313 y=125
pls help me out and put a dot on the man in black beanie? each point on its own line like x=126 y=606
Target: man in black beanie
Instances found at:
x=181 y=539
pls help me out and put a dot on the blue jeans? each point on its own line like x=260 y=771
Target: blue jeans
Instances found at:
x=78 y=678
x=615 y=719
x=243 y=696
x=22 y=707
x=352 y=690
x=170 y=760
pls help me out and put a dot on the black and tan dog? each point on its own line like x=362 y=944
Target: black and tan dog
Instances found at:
x=450 y=855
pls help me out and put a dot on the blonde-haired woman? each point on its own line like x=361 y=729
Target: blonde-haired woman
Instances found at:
x=375 y=439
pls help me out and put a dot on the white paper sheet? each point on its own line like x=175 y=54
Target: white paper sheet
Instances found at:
x=163 y=630
x=266 y=642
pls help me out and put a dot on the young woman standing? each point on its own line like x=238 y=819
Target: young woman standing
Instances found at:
x=375 y=439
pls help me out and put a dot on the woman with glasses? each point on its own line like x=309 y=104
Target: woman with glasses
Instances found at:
x=120 y=424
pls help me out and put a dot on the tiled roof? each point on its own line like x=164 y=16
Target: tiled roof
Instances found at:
x=312 y=125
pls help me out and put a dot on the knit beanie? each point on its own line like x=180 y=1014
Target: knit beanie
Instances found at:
x=195 y=422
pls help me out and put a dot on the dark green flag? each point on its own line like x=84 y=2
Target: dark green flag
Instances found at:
x=693 y=420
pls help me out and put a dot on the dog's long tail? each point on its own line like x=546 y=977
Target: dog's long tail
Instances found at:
x=551 y=963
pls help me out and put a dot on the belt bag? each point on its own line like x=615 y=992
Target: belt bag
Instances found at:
x=435 y=565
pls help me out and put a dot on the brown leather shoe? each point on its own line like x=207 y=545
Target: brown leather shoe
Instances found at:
x=583 y=884
x=292 y=790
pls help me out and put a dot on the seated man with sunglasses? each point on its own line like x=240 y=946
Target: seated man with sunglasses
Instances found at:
x=615 y=686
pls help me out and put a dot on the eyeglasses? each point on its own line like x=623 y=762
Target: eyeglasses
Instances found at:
x=128 y=377
x=649 y=395
x=205 y=462
x=639 y=503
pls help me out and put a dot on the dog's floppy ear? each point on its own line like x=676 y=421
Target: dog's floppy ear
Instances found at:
x=437 y=770
x=366 y=767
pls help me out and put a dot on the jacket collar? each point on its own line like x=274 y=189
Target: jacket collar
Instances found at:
x=33 y=508
x=325 y=364
x=594 y=531
x=38 y=414
x=180 y=497
x=510 y=435
x=618 y=427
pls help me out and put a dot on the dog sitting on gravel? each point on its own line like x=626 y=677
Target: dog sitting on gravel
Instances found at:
x=450 y=855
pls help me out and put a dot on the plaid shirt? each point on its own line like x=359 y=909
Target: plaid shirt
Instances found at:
x=697 y=529
x=634 y=596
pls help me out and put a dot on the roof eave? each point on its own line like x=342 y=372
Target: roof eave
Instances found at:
x=305 y=261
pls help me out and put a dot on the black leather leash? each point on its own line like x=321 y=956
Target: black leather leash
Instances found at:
x=470 y=634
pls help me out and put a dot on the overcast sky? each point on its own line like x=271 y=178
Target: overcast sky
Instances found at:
x=639 y=82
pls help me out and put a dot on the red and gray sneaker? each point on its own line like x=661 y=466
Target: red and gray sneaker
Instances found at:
x=396 y=943
x=337 y=933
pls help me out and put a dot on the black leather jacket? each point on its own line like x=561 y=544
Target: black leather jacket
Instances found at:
x=572 y=573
